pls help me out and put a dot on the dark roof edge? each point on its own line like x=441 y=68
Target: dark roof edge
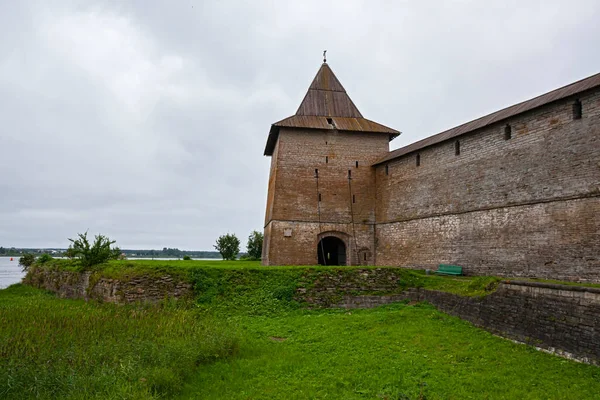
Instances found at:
x=274 y=134
x=271 y=140
x=576 y=87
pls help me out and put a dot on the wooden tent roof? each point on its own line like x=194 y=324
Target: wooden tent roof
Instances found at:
x=326 y=105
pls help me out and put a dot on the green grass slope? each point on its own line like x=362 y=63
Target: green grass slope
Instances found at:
x=393 y=352
x=247 y=335
x=66 y=349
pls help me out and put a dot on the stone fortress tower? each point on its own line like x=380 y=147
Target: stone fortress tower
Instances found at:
x=513 y=193
x=321 y=201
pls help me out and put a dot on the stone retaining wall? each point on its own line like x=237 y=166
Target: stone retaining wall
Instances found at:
x=562 y=319
x=85 y=285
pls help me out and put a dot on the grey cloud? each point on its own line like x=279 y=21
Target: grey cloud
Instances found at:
x=147 y=121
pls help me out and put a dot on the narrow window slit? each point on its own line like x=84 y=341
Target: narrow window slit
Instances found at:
x=365 y=255
x=418 y=160
x=357 y=164
x=387 y=169
x=353 y=198
x=507 y=132
x=349 y=174
x=319 y=196
x=316 y=173
x=326 y=159
x=457 y=148
x=577 y=109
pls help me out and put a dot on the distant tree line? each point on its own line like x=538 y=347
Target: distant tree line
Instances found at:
x=227 y=246
x=168 y=252
x=164 y=253
x=15 y=251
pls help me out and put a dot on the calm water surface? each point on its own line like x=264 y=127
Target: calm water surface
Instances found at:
x=10 y=272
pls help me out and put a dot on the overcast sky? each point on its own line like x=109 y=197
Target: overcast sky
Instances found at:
x=146 y=120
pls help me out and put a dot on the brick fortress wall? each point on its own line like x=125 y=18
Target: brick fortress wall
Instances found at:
x=526 y=206
x=293 y=205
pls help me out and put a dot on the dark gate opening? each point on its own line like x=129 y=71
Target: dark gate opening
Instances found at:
x=331 y=251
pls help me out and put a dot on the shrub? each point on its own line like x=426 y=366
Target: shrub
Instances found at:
x=26 y=261
x=255 y=243
x=70 y=253
x=97 y=253
x=228 y=245
x=187 y=258
x=44 y=258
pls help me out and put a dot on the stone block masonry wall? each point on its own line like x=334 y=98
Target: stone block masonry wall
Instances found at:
x=556 y=240
x=84 y=285
x=524 y=206
x=559 y=318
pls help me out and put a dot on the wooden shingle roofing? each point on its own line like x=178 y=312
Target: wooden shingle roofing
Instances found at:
x=498 y=116
x=326 y=105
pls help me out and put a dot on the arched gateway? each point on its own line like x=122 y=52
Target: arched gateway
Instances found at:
x=331 y=251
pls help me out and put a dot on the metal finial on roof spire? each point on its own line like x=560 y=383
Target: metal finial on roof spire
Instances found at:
x=325 y=56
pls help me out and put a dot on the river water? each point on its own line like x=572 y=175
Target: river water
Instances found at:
x=10 y=272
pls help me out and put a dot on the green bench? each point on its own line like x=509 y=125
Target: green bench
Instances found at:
x=446 y=269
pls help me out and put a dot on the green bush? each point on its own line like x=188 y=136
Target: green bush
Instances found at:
x=97 y=253
x=26 y=261
x=44 y=258
x=187 y=258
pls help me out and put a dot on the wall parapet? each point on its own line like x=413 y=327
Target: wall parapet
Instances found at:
x=556 y=286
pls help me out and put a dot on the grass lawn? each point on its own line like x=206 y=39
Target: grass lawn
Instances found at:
x=392 y=352
x=246 y=337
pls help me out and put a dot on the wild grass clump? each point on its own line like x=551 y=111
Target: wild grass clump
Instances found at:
x=54 y=348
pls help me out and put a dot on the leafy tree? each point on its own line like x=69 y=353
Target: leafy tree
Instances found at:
x=228 y=245
x=187 y=258
x=96 y=253
x=26 y=261
x=255 y=243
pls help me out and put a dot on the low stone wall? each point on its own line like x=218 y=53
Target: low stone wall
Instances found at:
x=561 y=319
x=327 y=288
x=86 y=285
